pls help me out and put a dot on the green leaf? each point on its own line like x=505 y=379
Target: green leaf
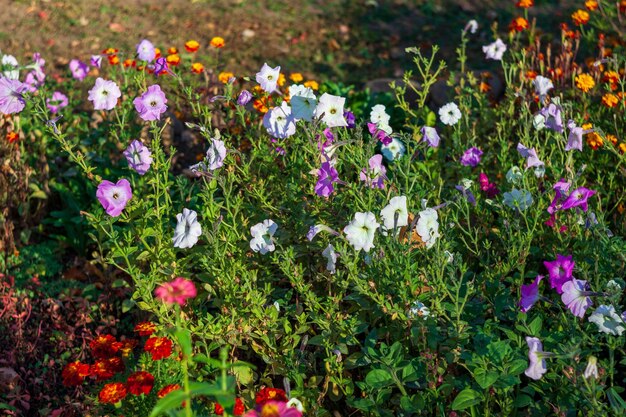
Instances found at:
x=485 y=378
x=617 y=403
x=522 y=401
x=171 y=401
x=127 y=305
x=379 y=378
x=517 y=367
x=184 y=340
x=431 y=119
x=535 y=326
x=466 y=398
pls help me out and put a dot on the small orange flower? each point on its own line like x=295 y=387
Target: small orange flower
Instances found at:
x=217 y=42
x=114 y=60
x=612 y=139
x=172 y=50
x=197 y=68
x=270 y=394
x=594 y=140
x=519 y=24
x=622 y=6
x=127 y=347
x=580 y=17
x=129 y=63
x=531 y=75
x=281 y=79
x=12 y=137
x=260 y=105
x=610 y=100
x=584 y=82
x=106 y=368
x=296 y=77
x=158 y=347
x=312 y=85
x=112 y=393
x=192 y=46
x=225 y=76
x=173 y=59
x=110 y=51
x=484 y=87
x=75 y=373
x=157 y=53
x=612 y=78
x=622 y=147
x=591 y=5
x=140 y=382
x=525 y=4
x=145 y=328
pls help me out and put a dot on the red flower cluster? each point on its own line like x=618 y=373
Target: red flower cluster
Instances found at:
x=158 y=347
x=238 y=410
x=145 y=328
x=140 y=382
x=75 y=373
x=270 y=394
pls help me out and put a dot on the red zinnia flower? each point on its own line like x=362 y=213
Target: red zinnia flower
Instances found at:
x=140 y=382
x=145 y=328
x=270 y=394
x=104 y=346
x=106 y=368
x=158 y=347
x=74 y=373
x=112 y=393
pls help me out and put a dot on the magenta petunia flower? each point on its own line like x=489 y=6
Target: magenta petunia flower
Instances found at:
x=561 y=188
x=576 y=296
x=104 y=94
x=374 y=176
x=326 y=176
x=471 y=157
x=430 y=135
x=578 y=198
x=379 y=134
x=274 y=409
x=114 y=197
x=138 y=156
x=11 y=98
x=560 y=271
x=79 y=69
x=530 y=295
x=532 y=160
x=151 y=105
x=57 y=102
x=176 y=292
x=487 y=187
x=146 y=51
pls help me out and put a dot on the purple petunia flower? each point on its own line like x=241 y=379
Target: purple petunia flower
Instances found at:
x=467 y=194
x=560 y=271
x=430 y=135
x=161 y=67
x=151 y=105
x=375 y=175
x=326 y=176
x=138 y=156
x=114 y=197
x=471 y=157
x=578 y=198
x=104 y=94
x=561 y=188
x=244 y=97
x=379 y=134
x=57 y=102
x=552 y=116
x=532 y=160
x=530 y=295
x=146 y=51
x=96 y=61
x=11 y=98
x=576 y=296
x=79 y=69
x=350 y=119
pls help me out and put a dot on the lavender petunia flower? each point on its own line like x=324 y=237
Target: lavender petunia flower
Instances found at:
x=151 y=105
x=532 y=160
x=552 y=116
x=96 y=61
x=430 y=135
x=576 y=296
x=530 y=295
x=11 y=98
x=331 y=258
x=114 y=197
x=57 y=102
x=216 y=154
x=268 y=78
x=542 y=86
x=375 y=175
x=471 y=157
x=138 y=156
x=244 y=97
x=575 y=137
x=314 y=230
x=79 y=69
x=146 y=51
x=560 y=271
x=536 y=357
x=578 y=198
x=104 y=94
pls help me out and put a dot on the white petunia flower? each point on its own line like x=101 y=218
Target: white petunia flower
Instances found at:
x=592 y=368
x=279 y=122
x=268 y=78
x=188 y=229
x=395 y=213
x=295 y=403
x=303 y=102
x=360 y=232
x=450 y=114
x=542 y=86
x=331 y=257
x=428 y=226
x=495 y=50
x=379 y=116
x=262 y=236
x=216 y=154
x=7 y=62
x=418 y=309
x=607 y=320
x=393 y=150
x=472 y=26
x=330 y=109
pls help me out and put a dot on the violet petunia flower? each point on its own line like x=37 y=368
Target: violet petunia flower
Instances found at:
x=114 y=197
x=379 y=134
x=375 y=175
x=151 y=105
x=104 y=94
x=552 y=116
x=96 y=61
x=138 y=156
x=327 y=175
x=11 y=98
x=467 y=194
x=430 y=135
x=350 y=119
x=215 y=155
x=79 y=69
x=244 y=97
x=532 y=160
x=536 y=357
x=561 y=188
x=576 y=296
x=471 y=157
x=560 y=271
x=578 y=198
x=146 y=51
x=56 y=102
x=530 y=295
x=161 y=67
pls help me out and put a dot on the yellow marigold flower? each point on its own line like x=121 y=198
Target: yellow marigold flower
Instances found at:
x=296 y=77
x=257 y=89
x=173 y=60
x=172 y=50
x=225 y=76
x=192 y=46
x=584 y=82
x=260 y=106
x=622 y=147
x=580 y=17
x=612 y=139
x=197 y=68
x=610 y=100
x=281 y=79
x=519 y=24
x=525 y=4
x=217 y=42
x=591 y=5
x=594 y=140
x=612 y=78
x=313 y=85
x=157 y=53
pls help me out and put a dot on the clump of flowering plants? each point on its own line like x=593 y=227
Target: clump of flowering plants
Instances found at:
x=466 y=257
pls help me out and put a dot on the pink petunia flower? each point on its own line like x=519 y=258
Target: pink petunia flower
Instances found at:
x=114 y=197
x=151 y=105
x=104 y=94
x=576 y=296
x=560 y=271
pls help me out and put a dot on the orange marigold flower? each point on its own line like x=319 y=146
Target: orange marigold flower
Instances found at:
x=611 y=77
x=114 y=59
x=260 y=105
x=622 y=147
x=238 y=410
x=173 y=59
x=140 y=382
x=112 y=393
x=270 y=394
x=313 y=85
x=74 y=373
x=167 y=389
x=580 y=17
x=12 y=137
x=584 y=82
x=525 y=4
x=296 y=77
x=197 y=68
x=610 y=100
x=110 y=51
x=104 y=346
x=591 y=5
x=622 y=8
x=172 y=50
x=145 y=328
x=484 y=87
x=129 y=63
x=225 y=76
x=594 y=140
x=157 y=53
x=158 y=347
x=612 y=139
x=217 y=42
x=519 y=24
x=106 y=368
x=281 y=79
x=192 y=46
